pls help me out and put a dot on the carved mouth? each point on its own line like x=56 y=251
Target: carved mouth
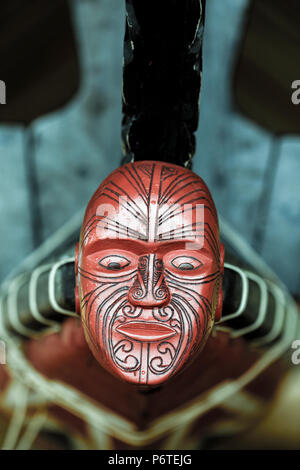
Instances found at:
x=146 y=331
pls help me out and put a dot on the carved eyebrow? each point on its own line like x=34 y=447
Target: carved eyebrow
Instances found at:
x=111 y=243
x=140 y=247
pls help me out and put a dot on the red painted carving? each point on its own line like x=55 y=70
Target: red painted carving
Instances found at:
x=150 y=266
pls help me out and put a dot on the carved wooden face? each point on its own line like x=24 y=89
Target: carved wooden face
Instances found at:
x=150 y=266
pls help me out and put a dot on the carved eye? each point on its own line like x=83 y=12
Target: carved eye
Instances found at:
x=186 y=263
x=114 y=262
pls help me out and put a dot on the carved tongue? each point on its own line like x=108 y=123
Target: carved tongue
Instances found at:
x=146 y=331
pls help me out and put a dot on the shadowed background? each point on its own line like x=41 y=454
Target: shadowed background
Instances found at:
x=60 y=131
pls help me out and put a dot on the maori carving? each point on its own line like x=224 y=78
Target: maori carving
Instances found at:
x=150 y=265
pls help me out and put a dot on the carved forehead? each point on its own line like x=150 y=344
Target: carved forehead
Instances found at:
x=165 y=183
x=150 y=199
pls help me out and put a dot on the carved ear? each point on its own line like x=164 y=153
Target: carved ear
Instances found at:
x=77 y=301
x=218 y=313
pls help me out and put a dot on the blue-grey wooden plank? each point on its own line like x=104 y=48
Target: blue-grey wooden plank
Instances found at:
x=15 y=233
x=78 y=146
x=281 y=246
x=233 y=153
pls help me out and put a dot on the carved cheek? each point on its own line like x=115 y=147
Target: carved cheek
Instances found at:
x=194 y=300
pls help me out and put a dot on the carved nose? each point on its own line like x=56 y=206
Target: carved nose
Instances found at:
x=149 y=288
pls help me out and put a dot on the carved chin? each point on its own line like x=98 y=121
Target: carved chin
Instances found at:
x=145 y=369
x=147 y=362
x=156 y=363
x=148 y=353
x=148 y=347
